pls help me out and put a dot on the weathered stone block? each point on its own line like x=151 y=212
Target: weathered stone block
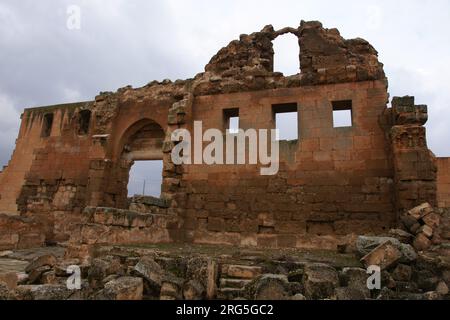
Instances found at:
x=384 y=256
x=124 y=288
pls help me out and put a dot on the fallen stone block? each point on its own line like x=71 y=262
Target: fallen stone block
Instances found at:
x=320 y=281
x=233 y=283
x=421 y=242
x=149 y=270
x=124 y=288
x=365 y=245
x=384 y=256
x=432 y=220
x=426 y=231
x=243 y=272
x=102 y=268
x=269 y=287
x=193 y=290
x=44 y=260
x=171 y=289
x=420 y=211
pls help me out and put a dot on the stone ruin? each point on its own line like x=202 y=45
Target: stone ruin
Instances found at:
x=66 y=182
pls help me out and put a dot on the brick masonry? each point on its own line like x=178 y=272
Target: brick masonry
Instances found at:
x=333 y=182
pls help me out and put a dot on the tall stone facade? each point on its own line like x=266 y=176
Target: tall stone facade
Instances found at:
x=70 y=169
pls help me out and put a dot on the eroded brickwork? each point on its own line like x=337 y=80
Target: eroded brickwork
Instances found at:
x=443 y=182
x=333 y=182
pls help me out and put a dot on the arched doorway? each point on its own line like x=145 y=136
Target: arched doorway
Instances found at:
x=141 y=159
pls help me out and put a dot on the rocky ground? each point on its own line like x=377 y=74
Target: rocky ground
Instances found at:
x=414 y=262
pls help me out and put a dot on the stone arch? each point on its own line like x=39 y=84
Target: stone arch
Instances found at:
x=143 y=140
x=108 y=178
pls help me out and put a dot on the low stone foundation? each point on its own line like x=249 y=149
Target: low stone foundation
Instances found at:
x=20 y=232
x=115 y=226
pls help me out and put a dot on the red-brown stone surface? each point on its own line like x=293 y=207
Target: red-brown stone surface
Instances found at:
x=332 y=183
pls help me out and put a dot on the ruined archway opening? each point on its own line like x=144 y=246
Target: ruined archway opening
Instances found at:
x=286 y=54
x=142 y=165
x=145 y=178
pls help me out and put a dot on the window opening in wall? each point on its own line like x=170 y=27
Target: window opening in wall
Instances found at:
x=342 y=114
x=47 y=125
x=231 y=120
x=84 y=121
x=286 y=121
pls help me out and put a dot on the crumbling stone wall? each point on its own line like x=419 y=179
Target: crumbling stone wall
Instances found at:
x=333 y=182
x=414 y=163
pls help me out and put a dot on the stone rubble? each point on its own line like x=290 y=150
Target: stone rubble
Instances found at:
x=117 y=273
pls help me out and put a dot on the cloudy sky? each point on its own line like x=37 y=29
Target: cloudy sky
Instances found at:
x=123 y=42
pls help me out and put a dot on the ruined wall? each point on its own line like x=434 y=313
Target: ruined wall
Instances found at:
x=332 y=182
x=414 y=163
x=443 y=182
x=13 y=175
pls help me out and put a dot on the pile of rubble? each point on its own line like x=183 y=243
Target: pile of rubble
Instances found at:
x=422 y=222
x=414 y=261
x=410 y=268
x=111 y=277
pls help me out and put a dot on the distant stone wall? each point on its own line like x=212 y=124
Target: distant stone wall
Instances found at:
x=443 y=182
x=116 y=226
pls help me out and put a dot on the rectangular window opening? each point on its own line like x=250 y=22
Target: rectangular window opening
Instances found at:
x=231 y=120
x=342 y=114
x=286 y=121
x=83 y=122
x=47 y=125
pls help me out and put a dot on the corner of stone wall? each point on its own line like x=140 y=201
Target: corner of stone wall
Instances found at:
x=414 y=164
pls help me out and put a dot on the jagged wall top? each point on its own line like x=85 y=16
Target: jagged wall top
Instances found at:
x=325 y=57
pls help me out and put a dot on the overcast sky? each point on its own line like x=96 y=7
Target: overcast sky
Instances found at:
x=124 y=42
